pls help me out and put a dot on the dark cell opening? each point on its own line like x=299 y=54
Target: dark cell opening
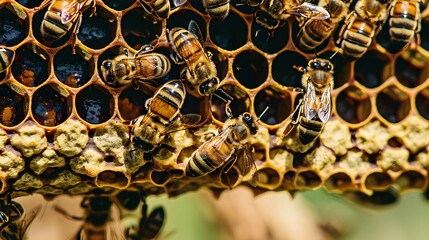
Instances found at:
x=111 y=178
x=30 y=66
x=283 y=68
x=411 y=68
x=250 y=68
x=94 y=104
x=183 y=17
x=159 y=177
x=411 y=180
x=30 y=3
x=239 y=105
x=422 y=103
x=372 y=69
x=72 y=69
x=13 y=106
x=269 y=41
x=119 y=5
x=49 y=106
x=353 y=105
x=424 y=35
x=308 y=179
x=338 y=181
x=378 y=181
x=229 y=34
x=268 y=176
x=13 y=28
x=132 y=103
x=393 y=104
x=230 y=178
x=279 y=103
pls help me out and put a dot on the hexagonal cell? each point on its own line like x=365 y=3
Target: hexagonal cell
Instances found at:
x=393 y=104
x=269 y=41
x=132 y=103
x=411 y=68
x=72 y=69
x=119 y=5
x=377 y=181
x=51 y=105
x=268 y=177
x=308 y=180
x=422 y=103
x=250 y=68
x=411 y=180
x=229 y=34
x=353 y=104
x=137 y=35
x=30 y=3
x=159 y=178
x=31 y=66
x=13 y=106
x=94 y=104
x=182 y=18
x=338 y=181
x=373 y=69
x=279 y=103
x=424 y=35
x=14 y=24
x=230 y=179
x=283 y=71
x=239 y=105
x=99 y=30
x=110 y=178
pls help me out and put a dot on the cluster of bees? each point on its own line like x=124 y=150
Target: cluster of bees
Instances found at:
x=230 y=147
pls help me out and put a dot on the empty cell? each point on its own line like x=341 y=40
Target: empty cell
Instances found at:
x=283 y=68
x=94 y=104
x=159 y=177
x=422 y=103
x=268 y=177
x=279 y=105
x=31 y=65
x=13 y=106
x=13 y=28
x=229 y=34
x=119 y=5
x=338 y=181
x=393 y=104
x=411 y=179
x=269 y=41
x=132 y=103
x=182 y=18
x=373 y=69
x=137 y=35
x=72 y=69
x=50 y=105
x=411 y=68
x=250 y=68
x=239 y=104
x=353 y=105
x=377 y=181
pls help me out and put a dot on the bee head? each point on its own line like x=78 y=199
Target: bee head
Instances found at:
x=106 y=69
x=248 y=120
x=209 y=86
x=321 y=64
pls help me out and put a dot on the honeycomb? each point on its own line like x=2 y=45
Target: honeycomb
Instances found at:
x=64 y=131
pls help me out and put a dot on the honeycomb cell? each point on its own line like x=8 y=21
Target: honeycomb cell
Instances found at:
x=132 y=103
x=182 y=18
x=72 y=69
x=372 y=69
x=269 y=41
x=411 y=179
x=424 y=35
x=50 y=105
x=308 y=179
x=231 y=178
x=111 y=178
x=409 y=74
x=393 y=104
x=159 y=178
x=353 y=104
x=283 y=71
x=279 y=103
x=229 y=34
x=268 y=177
x=94 y=104
x=239 y=105
x=13 y=106
x=137 y=35
x=30 y=3
x=99 y=30
x=422 y=103
x=250 y=68
x=342 y=67
x=14 y=24
x=221 y=62
x=338 y=181
x=119 y=5
x=30 y=66
x=378 y=181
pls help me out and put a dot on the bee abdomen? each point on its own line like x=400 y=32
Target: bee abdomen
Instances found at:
x=218 y=9
x=199 y=165
x=168 y=101
x=357 y=38
x=6 y=58
x=52 y=27
x=309 y=130
x=152 y=67
x=404 y=20
x=312 y=34
x=161 y=7
x=154 y=224
x=185 y=43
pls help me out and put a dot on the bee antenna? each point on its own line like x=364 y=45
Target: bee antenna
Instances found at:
x=263 y=112
x=226 y=94
x=335 y=53
x=221 y=98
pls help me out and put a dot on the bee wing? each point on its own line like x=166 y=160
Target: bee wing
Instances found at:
x=309 y=10
x=27 y=220
x=195 y=29
x=71 y=11
x=247 y=165
x=294 y=119
x=310 y=102
x=182 y=123
x=324 y=111
x=178 y=3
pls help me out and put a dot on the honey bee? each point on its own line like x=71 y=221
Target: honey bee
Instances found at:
x=6 y=58
x=159 y=9
x=217 y=9
x=200 y=70
x=17 y=229
x=314 y=109
x=10 y=212
x=361 y=26
x=221 y=150
x=314 y=32
x=63 y=16
x=273 y=13
x=143 y=66
x=98 y=223
x=163 y=116
x=405 y=21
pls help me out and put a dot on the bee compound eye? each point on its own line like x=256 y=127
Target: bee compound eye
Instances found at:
x=110 y=79
x=214 y=81
x=107 y=65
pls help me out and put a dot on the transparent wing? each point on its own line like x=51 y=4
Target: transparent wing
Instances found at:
x=310 y=102
x=71 y=11
x=178 y=3
x=324 y=110
x=309 y=10
x=247 y=165
x=218 y=140
x=182 y=123
x=195 y=29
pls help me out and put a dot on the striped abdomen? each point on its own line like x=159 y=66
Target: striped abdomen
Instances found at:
x=6 y=58
x=186 y=45
x=217 y=9
x=357 y=38
x=150 y=227
x=160 y=7
x=309 y=130
x=52 y=27
x=404 y=20
x=314 y=33
x=209 y=156
x=151 y=66
x=168 y=100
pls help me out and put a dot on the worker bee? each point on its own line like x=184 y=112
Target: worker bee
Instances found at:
x=200 y=71
x=314 y=109
x=63 y=16
x=314 y=32
x=143 y=66
x=98 y=222
x=159 y=9
x=361 y=26
x=273 y=13
x=163 y=116
x=405 y=22
x=217 y=9
x=6 y=58
x=17 y=229
x=221 y=149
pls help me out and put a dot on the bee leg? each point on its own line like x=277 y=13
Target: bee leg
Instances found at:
x=176 y=59
x=300 y=68
x=43 y=5
x=75 y=32
x=209 y=55
x=93 y=8
x=145 y=49
x=228 y=167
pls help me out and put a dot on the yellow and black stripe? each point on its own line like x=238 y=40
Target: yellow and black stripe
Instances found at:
x=6 y=58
